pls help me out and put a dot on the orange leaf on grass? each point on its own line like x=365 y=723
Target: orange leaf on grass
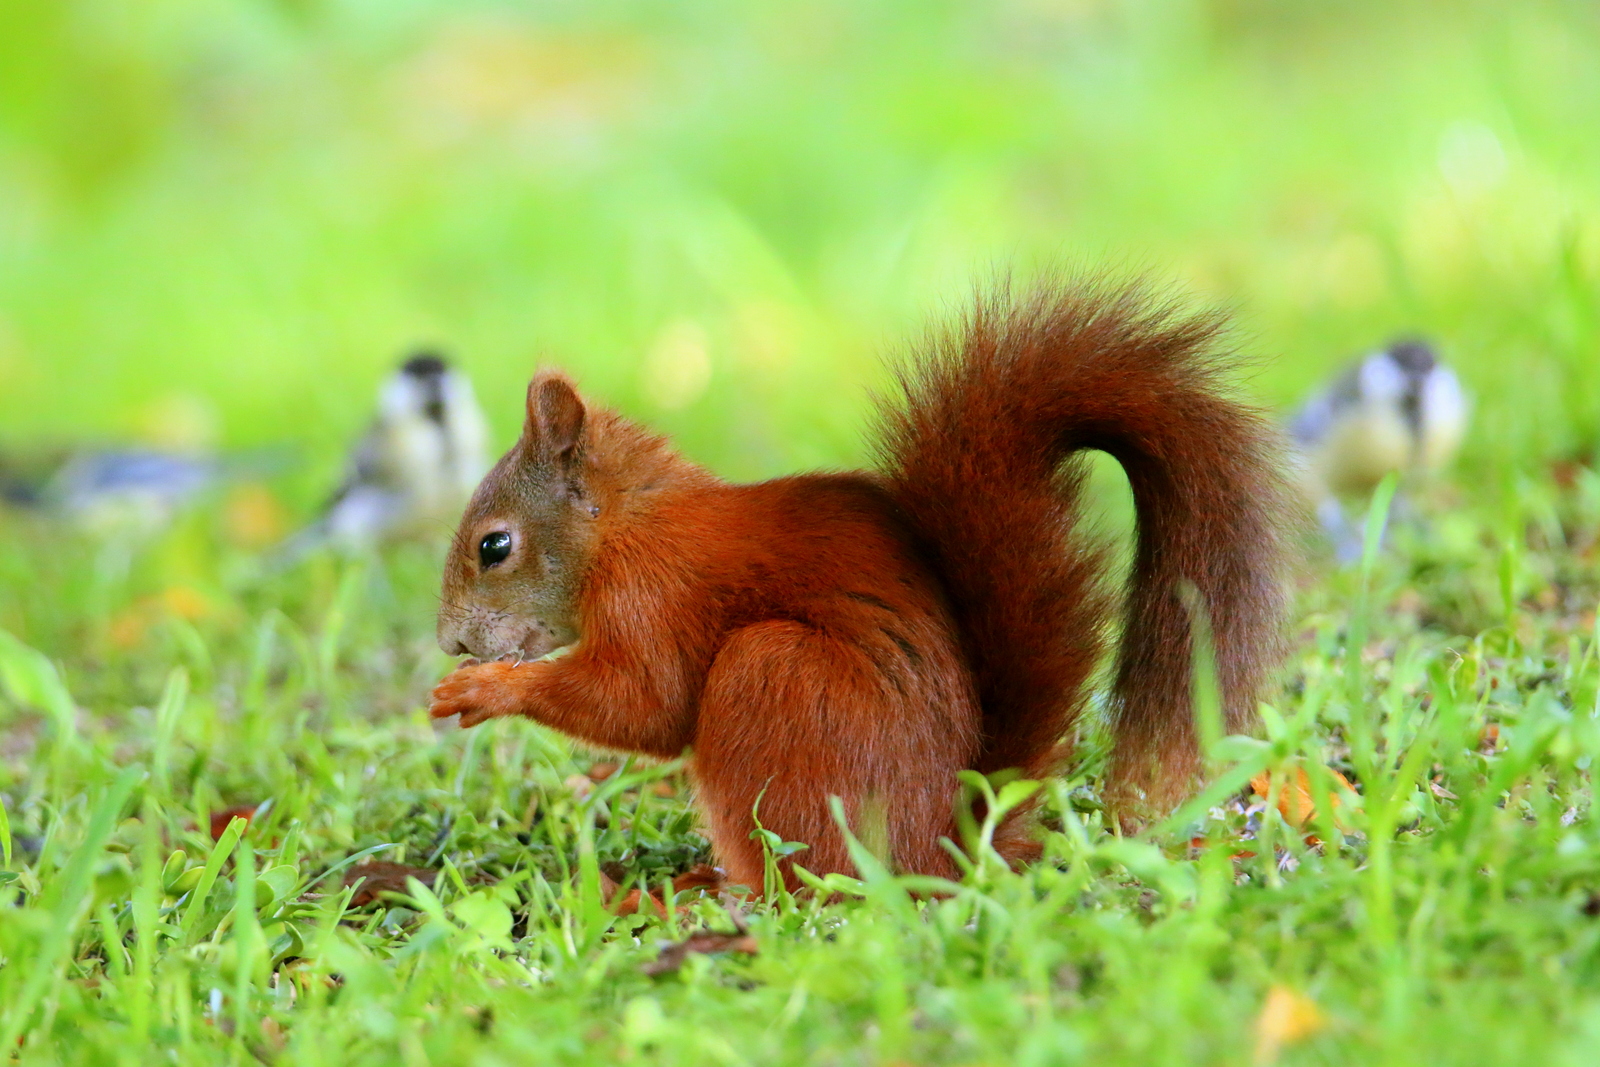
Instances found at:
x=1286 y=1017
x=702 y=876
x=1295 y=802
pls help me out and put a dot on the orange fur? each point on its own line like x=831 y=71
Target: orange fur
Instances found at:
x=868 y=636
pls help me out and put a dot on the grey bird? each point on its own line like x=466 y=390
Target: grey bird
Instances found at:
x=413 y=470
x=125 y=493
x=1399 y=410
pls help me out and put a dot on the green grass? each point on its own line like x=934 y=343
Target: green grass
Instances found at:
x=221 y=222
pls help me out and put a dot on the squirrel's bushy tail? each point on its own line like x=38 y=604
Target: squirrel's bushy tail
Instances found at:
x=981 y=457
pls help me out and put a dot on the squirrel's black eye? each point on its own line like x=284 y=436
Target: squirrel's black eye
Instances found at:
x=494 y=548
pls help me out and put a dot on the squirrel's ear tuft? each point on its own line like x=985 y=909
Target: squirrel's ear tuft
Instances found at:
x=555 y=416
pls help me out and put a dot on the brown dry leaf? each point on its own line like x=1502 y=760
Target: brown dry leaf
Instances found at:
x=609 y=889
x=704 y=942
x=1294 y=797
x=378 y=877
x=1566 y=471
x=702 y=876
x=221 y=819
x=599 y=772
x=1286 y=1017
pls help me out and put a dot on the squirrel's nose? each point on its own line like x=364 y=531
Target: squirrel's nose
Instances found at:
x=450 y=642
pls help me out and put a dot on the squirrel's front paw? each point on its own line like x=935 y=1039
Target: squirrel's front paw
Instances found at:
x=476 y=692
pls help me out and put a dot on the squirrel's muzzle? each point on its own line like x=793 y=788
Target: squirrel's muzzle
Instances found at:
x=490 y=635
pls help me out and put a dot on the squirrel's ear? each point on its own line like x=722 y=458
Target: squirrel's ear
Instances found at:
x=555 y=416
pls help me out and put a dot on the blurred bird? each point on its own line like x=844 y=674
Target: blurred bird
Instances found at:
x=414 y=468
x=123 y=492
x=126 y=490
x=1398 y=410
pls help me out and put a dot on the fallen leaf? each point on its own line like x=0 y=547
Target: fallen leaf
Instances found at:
x=702 y=876
x=221 y=819
x=599 y=772
x=1566 y=471
x=704 y=942
x=376 y=878
x=1294 y=797
x=1286 y=1017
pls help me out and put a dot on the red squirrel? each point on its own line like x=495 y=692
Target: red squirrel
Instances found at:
x=868 y=635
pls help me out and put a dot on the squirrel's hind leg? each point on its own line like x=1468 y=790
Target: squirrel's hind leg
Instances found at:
x=791 y=716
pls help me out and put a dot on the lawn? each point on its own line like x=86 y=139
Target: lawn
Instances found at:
x=222 y=222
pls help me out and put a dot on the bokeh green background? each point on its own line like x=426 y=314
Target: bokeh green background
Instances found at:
x=223 y=221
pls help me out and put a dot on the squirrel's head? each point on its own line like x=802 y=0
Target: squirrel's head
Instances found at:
x=512 y=576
